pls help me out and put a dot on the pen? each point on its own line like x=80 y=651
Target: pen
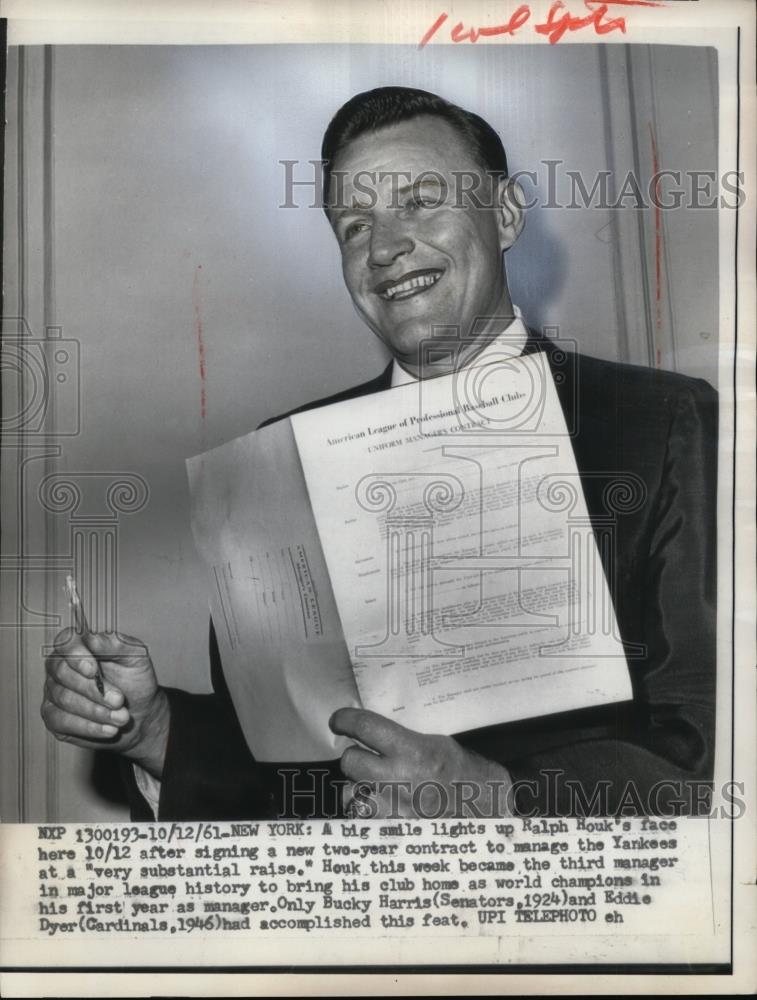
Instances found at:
x=81 y=625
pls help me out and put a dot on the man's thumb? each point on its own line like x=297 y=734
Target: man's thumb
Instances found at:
x=115 y=646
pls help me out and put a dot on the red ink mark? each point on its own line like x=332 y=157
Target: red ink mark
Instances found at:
x=659 y=357
x=558 y=21
x=432 y=30
x=657 y=227
x=460 y=33
x=200 y=342
x=555 y=26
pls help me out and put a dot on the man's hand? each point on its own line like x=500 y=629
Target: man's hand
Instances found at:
x=131 y=716
x=409 y=774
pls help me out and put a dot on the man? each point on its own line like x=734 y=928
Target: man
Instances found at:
x=416 y=255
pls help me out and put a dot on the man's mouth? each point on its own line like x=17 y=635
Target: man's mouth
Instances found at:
x=408 y=285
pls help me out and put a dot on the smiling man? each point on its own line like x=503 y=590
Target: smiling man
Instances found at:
x=420 y=248
x=418 y=195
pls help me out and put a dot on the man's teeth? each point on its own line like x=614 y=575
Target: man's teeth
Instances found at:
x=421 y=281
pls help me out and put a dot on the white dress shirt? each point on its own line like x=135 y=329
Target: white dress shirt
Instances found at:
x=508 y=343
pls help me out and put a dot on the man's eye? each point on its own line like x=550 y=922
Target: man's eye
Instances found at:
x=419 y=201
x=353 y=229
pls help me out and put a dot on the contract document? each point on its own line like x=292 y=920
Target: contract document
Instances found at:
x=424 y=552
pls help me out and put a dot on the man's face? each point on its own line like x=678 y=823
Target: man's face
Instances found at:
x=414 y=259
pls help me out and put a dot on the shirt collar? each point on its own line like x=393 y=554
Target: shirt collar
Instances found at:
x=507 y=344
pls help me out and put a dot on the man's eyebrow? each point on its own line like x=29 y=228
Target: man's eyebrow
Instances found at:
x=422 y=182
x=354 y=207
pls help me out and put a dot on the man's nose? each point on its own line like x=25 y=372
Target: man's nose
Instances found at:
x=388 y=242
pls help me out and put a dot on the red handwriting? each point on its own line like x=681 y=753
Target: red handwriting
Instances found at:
x=460 y=34
x=557 y=22
x=657 y=228
x=200 y=342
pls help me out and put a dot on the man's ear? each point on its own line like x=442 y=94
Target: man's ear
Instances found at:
x=511 y=217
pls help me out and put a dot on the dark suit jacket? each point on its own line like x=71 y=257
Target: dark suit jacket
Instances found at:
x=662 y=428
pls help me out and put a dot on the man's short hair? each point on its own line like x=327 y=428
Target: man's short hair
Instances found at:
x=384 y=106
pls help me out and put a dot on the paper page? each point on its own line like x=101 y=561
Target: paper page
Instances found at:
x=461 y=554
x=281 y=644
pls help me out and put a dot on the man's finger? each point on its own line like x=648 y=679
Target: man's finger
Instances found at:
x=62 y=724
x=64 y=637
x=371 y=729
x=74 y=703
x=60 y=672
x=362 y=765
x=78 y=657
